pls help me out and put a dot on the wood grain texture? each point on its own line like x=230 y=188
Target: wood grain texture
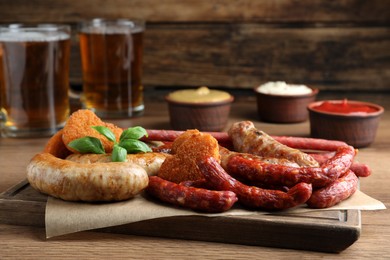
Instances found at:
x=333 y=45
x=374 y=11
x=245 y=55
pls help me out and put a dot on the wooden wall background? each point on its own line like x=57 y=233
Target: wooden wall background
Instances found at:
x=333 y=45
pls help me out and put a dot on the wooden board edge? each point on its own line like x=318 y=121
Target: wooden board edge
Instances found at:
x=221 y=230
x=14 y=189
x=15 y=211
x=281 y=234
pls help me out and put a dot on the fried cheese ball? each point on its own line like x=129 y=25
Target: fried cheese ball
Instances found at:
x=79 y=125
x=189 y=147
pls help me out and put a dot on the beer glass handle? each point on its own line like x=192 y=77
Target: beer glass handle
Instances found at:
x=3 y=118
x=2 y=115
x=73 y=94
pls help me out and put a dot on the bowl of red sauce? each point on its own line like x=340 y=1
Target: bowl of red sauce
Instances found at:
x=354 y=122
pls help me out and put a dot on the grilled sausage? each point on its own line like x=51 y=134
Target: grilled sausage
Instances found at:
x=226 y=155
x=112 y=181
x=151 y=162
x=247 y=139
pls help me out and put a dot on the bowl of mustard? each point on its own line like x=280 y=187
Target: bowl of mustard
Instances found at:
x=202 y=108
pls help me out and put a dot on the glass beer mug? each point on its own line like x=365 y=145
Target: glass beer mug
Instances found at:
x=34 y=79
x=111 y=56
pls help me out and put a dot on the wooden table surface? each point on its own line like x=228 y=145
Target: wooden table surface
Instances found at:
x=28 y=242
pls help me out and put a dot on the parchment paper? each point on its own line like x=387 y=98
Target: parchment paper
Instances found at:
x=64 y=217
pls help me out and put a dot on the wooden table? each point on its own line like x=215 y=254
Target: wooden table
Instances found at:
x=30 y=242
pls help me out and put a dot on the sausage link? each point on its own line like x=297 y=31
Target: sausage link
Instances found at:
x=273 y=174
x=253 y=197
x=247 y=139
x=360 y=169
x=165 y=148
x=303 y=143
x=201 y=183
x=226 y=155
x=161 y=135
x=151 y=162
x=112 y=181
x=170 y=135
x=334 y=193
x=198 y=199
x=306 y=143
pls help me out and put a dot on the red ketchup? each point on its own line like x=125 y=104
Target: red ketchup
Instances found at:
x=345 y=107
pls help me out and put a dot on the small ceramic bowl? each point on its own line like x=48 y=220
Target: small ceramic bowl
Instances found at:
x=196 y=114
x=356 y=129
x=284 y=108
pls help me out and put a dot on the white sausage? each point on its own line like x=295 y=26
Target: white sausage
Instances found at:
x=151 y=162
x=112 y=181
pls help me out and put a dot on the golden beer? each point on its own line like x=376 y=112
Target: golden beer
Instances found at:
x=111 y=55
x=34 y=80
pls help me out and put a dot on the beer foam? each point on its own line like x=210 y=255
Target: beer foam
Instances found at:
x=100 y=26
x=31 y=36
x=112 y=30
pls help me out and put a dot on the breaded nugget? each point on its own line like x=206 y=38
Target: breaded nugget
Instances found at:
x=56 y=146
x=189 y=147
x=79 y=125
x=183 y=137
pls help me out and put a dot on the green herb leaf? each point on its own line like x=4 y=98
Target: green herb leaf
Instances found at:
x=87 y=144
x=119 y=154
x=129 y=143
x=106 y=132
x=134 y=146
x=133 y=133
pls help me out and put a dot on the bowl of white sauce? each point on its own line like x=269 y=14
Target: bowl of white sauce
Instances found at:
x=280 y=102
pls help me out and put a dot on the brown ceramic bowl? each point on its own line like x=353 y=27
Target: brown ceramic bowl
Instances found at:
x=358 y=130
x=204 y=116
x=284 y=108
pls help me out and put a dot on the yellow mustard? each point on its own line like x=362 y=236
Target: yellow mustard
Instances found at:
x=200 y=95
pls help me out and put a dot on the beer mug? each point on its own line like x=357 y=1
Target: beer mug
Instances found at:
x=34 y=79
x=111 y=57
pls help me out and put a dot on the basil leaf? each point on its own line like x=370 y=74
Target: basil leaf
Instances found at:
x=87 y=144
x=106 y=132
x=119 y=154
x=134 y=146
x=133 y=133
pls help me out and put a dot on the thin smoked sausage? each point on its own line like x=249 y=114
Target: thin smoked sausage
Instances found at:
x=334 y=193
x=198 y=199
x=251 y=196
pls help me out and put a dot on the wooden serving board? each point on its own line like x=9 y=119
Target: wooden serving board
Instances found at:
x=326 y=231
